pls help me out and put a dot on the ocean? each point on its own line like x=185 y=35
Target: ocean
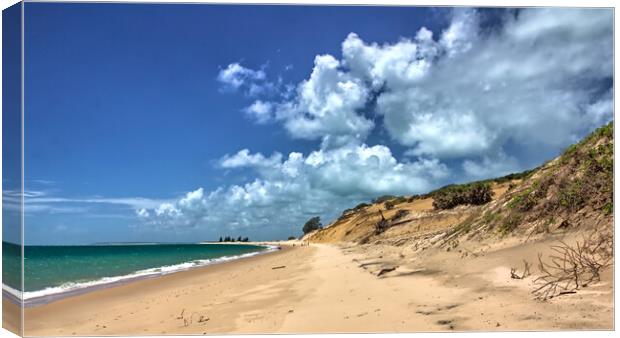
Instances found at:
x=50 y=272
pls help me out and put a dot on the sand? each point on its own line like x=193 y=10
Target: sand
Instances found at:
x=322 y=288
x=11 y=316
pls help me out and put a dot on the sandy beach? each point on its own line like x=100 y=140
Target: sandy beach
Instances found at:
x=328 y=288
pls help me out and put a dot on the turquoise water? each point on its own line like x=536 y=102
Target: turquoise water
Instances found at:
x=11 y=265
x=54 y=269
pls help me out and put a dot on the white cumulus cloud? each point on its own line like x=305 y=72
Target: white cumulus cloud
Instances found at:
x=288 y=190
x=537 y=79
x=472 y=100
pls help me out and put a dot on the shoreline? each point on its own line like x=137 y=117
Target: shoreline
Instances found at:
x=51 y=294
x=324 y=288
x=77 y=313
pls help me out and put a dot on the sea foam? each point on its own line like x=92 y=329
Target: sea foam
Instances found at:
x=52 y=293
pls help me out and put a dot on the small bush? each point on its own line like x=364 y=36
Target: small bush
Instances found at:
x=571 y=196
x=361 y=206
x=383 y=198
x=464 y=227
x=489 y=217
x=400 y=200
x=510 y=223
x=452 y=196
x=524 y=201
x=513 y=176
x=348 y=212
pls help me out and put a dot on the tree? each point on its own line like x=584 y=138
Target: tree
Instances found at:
x=313 y=224
x=246 y=239
x=292 y=238
x=220 y=239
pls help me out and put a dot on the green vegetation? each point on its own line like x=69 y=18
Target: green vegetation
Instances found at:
x=584 y=177
x=475 y=193
x=490 y=217
x=464 y=227
x=400 y=200
x=312 y=224
x=606 y=131
x=383 y=198
x=356 y=208
x=571 y=197
x=594 y=158
x=527 y=199
x=523 y=200
x=512 y=177
x=452 y=196
x=510 y=223
x=292 y=238
x=361 y=206
x=497 y=180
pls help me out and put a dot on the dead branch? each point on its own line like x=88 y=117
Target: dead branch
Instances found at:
x=572 y=267
x=526 y=271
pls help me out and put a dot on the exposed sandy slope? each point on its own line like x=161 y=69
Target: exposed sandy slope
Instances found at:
x=421 y=219
x=322 y=288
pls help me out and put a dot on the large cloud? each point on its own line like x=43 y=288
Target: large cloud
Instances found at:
x=479 y=98
x=536 y=81
x=287 y=191
x=538 y=78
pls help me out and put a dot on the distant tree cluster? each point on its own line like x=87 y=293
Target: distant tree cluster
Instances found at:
x=452 y=196
x=232 y=239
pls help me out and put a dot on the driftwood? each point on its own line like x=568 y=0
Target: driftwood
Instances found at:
x=278 y=267
x=386 y=270
x=574 y=267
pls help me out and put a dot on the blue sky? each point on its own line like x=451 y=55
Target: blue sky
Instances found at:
x=187 y=122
